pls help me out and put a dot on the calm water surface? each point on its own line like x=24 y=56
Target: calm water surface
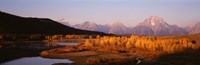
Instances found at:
x=66 y=44
x=36 y=61
x=36 y=46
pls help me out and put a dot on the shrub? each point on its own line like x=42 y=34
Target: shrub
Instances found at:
x=169 y=44
x=88 y=43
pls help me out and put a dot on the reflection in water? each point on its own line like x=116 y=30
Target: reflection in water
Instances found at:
x=26 y=57
x=35 y=45
x=36 y=61
x=49 y=44
x=66 y=44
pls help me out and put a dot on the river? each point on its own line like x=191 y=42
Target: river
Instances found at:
x=30 y=59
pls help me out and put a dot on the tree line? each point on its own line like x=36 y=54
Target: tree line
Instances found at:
x=169 y=44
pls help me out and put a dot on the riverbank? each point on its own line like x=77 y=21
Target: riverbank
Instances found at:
x=94 y=58
x=82 y=55
x=101 y=56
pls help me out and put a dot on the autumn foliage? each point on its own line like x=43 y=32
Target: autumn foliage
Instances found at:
x=169 y=44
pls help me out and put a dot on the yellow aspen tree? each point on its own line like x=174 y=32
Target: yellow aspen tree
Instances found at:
x=88 y=43
x=128 y=45
x=97 y=42
x=137 y=44
x=90 y=37
x=102 y=43
x=98 y=37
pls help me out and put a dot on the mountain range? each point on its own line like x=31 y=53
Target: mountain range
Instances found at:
x=153 y=26
x=26 y=25
x=156 y=26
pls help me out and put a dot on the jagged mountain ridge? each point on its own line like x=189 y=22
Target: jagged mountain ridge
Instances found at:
x=116 y=28
x=119 y=28
x=194 y=29
x=154 y=26
x=87 y=26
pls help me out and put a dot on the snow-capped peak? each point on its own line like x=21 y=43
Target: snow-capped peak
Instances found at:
x=152 y=22
x=154 y=19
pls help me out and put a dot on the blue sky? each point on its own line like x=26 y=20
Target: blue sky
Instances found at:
x=129 y=12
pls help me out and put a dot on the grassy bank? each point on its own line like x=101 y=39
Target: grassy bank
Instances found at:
x=82 y=55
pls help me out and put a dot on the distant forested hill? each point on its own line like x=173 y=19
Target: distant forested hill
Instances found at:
x=22 y=25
